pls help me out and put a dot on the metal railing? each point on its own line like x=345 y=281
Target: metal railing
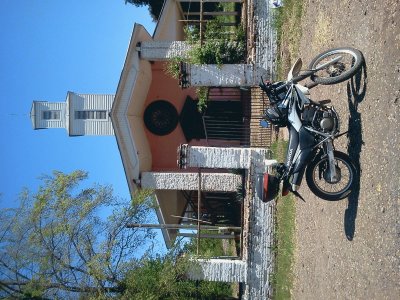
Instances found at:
x=244 y=127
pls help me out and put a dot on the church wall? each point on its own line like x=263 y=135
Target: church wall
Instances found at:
x=163 y=148
x=168 y=27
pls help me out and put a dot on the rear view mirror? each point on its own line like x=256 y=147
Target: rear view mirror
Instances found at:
x=295 y=70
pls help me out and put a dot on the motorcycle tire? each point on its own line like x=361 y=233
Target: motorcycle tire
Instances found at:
x=319 y=185
x=352 y=60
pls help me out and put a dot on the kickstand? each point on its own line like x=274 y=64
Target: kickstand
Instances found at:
x=296 y=193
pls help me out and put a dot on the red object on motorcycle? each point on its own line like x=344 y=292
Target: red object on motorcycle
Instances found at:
x=285 y=188
x=267 y=187
x=285 y=192
x=265 y=184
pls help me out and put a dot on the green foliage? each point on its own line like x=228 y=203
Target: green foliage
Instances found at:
x=285 y=231
x=63 y=239
x=286 y=22
x=192 y=34
x=155 y=6
x=172 y=67
x=208 y=247
x=57 y=245
x=202 y=95
x=164 y=277
x=217 y=47
x=284 y=235
x=143 y=199
x=155 y=278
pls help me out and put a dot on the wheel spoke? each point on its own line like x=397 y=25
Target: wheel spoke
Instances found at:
x=344 y=63
x=334 y=188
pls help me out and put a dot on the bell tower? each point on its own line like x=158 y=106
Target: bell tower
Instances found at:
x=80 y=114
x=48 y=114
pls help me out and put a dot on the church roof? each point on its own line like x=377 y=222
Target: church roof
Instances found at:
x=132 y=90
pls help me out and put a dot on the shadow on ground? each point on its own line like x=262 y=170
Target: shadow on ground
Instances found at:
x=356 y=90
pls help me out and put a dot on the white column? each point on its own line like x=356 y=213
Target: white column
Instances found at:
x=224 y=182
x=223 y=157
x=229 y=75
x=225 y=1
x=163 y=50
x=223 y=270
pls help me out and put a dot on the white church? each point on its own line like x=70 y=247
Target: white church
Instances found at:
x=151 y=116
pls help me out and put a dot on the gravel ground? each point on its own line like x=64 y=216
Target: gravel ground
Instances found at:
x=350 y=249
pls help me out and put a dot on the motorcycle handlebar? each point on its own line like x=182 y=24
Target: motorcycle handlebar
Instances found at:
x=281 y=87
x=296 y=79
x=304 y=75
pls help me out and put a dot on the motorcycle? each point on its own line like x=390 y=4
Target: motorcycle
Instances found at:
x=313 y=126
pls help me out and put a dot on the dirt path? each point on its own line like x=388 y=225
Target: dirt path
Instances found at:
x=350 y=249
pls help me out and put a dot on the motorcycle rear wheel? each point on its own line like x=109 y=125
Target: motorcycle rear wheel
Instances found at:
x=351 y=61
x=316 y=176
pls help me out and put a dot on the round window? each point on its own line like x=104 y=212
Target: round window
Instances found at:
x=161 y=117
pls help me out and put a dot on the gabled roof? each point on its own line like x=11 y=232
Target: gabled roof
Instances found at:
x=133 y=72
x=133 y=87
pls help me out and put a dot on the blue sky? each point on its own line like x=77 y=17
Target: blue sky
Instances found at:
x=47 y=48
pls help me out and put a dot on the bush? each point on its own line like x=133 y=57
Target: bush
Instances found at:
x=217 y=48
x=164 y=277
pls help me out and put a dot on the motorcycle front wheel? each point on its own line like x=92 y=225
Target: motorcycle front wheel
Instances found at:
x=351 y=60
x=319 y=182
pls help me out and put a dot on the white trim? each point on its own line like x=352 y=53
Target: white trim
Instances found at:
x=119 y=111
x=122 y=130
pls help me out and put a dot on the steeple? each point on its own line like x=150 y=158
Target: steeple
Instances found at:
x=48 y=114
x=80 y=114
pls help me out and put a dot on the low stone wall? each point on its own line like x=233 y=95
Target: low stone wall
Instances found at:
x=260 y=220
x=265 y=37
x=260 y=241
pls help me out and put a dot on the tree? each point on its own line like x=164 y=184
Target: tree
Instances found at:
x=155 y=6
x=165 y=278
x=63 y=241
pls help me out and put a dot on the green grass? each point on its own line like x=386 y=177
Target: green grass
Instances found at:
x=284 y=236
x=285 y=231
x=287 y=22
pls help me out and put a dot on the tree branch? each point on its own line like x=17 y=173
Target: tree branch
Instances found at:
x=47 y=286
